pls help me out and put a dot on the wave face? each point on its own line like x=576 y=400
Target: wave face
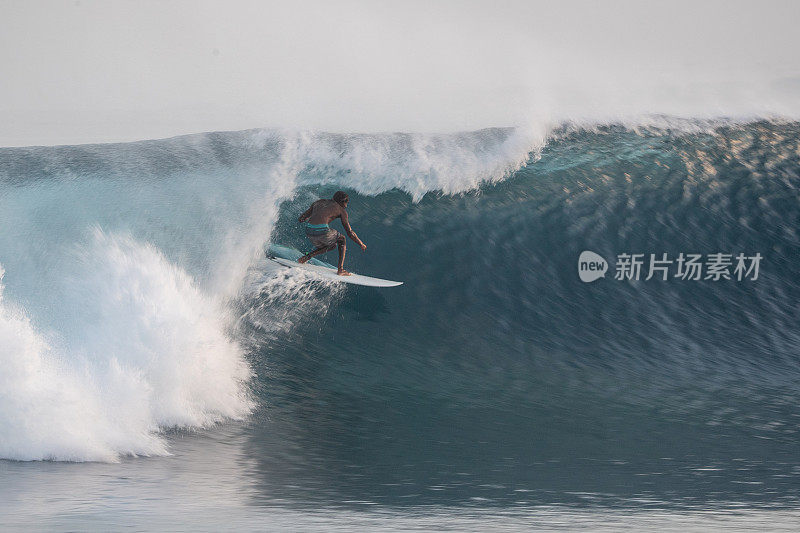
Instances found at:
x=135 y=300
x=495 y=373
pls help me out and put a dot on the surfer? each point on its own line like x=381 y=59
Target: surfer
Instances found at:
x=322 y=236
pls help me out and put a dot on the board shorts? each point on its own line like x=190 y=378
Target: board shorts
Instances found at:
x=326 y=238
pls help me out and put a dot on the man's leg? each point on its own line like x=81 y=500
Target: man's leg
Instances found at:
x=318 y=251
x=341 y=242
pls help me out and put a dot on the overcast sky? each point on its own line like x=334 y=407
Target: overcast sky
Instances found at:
x=86 y=71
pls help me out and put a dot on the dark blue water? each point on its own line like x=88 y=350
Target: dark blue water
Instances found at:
x=495 y=373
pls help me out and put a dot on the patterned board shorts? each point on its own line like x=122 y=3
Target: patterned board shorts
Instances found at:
x=323 y=239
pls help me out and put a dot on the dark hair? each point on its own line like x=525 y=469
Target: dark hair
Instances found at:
x=340 y=197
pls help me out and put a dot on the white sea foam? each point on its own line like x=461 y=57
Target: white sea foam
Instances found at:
x=412 y=162
x=139 y=348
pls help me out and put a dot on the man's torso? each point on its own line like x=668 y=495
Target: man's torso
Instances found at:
x=324 y=211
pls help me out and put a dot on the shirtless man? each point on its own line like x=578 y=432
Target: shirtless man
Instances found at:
x=322 y=236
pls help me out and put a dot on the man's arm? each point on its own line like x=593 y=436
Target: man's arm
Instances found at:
x=305 y=216
x=350 y=232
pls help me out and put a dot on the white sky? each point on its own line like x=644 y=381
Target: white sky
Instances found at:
x=86 y=71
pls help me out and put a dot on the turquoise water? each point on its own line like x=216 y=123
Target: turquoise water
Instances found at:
x=158 y=370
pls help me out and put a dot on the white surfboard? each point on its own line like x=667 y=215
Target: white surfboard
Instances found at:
x=283 y=255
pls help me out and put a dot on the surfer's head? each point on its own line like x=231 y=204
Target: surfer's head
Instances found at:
x=341 y=198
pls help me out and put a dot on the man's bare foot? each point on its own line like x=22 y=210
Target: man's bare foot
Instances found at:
x=303 y=259
x=343 y=272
